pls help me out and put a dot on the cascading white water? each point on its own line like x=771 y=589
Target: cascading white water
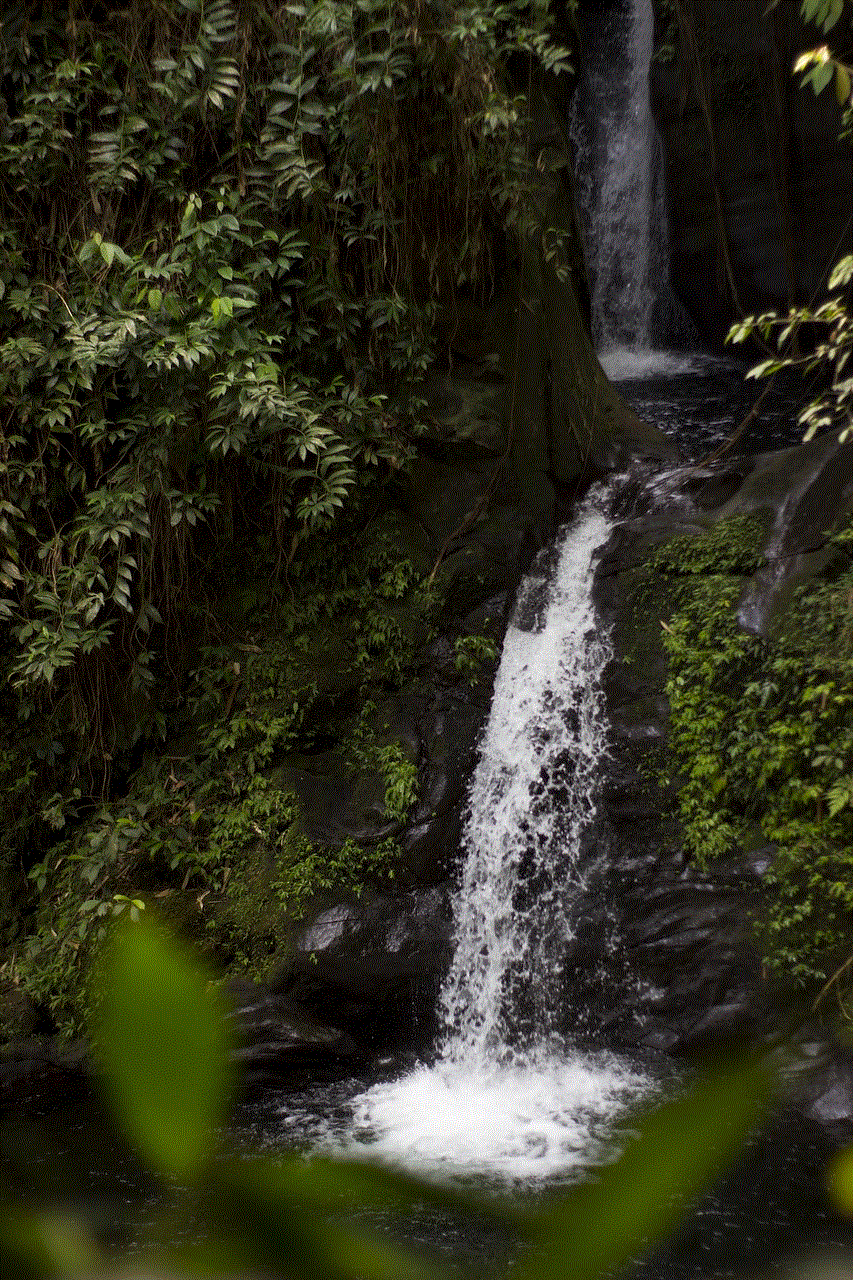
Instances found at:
x=621 y=196
x=508 y=1096
x=532 y=797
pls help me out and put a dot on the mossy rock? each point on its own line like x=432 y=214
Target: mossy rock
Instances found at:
x=251 y=916
x=337 y=802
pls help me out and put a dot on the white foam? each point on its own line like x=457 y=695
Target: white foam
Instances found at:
x=622 y=364
x=511 y=1123
x=507 y=1099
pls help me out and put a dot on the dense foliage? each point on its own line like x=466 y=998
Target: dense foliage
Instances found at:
x=230 y=236
x=226 y=231
x=762 y=740
x=205 y=825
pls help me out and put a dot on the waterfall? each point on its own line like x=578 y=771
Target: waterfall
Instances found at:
x=619 y=177
x=508 y=1095
x=532 y=799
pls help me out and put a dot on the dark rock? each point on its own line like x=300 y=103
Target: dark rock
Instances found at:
x=438 y=733
x=447 y=499
x=831 y=1101
x=819 y=1075
x=805 y=494
x=275 y=1038
x=372 y=960
x=733 y=1017
x=19 y=1014
x=692 y=979
x=776 y=174
x=336 y=803
x=39 y=1072
x=466 y=407
x=431 y=841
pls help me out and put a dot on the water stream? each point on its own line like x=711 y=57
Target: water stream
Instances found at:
x=643 y=337
x=532 y=797
x=621 y=196
x=508 y=1095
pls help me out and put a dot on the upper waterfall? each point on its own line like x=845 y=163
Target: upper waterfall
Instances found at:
x=620 y=187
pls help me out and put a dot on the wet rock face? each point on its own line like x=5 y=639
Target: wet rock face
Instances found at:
x=819 y=1079
x=690 y=978
x=768 y=198
x=275 y=1038
x=687 y=975
x=259 y=1017
x=374 y=964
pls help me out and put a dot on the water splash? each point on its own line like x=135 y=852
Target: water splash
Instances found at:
x=509 y=1097
x=629 y=364
x=511 y=1123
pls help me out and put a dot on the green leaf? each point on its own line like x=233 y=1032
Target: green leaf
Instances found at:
x=840 y=1181
x=45 y=1244
x=842 y=272
x=161 y=1045
x=677 y=1154
x=764 y=369
x=822 y=76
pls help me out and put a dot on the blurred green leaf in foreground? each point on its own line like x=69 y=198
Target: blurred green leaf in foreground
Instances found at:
x=162 y=1054
x=161 y=1047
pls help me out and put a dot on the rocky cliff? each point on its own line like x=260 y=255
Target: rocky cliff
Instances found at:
x=760 y=190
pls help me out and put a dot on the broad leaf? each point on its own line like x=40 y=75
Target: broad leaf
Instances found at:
x=841 y=1181
x=675 y=1156
x=162 y=1046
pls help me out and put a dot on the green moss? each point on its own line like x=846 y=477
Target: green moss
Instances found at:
x=200 y=830
x=761 y=743
x=673 y=571
x=731 y=546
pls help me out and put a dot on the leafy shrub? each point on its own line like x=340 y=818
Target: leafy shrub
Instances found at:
x=223 y=233
x=200 y=827
x=471 y=652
